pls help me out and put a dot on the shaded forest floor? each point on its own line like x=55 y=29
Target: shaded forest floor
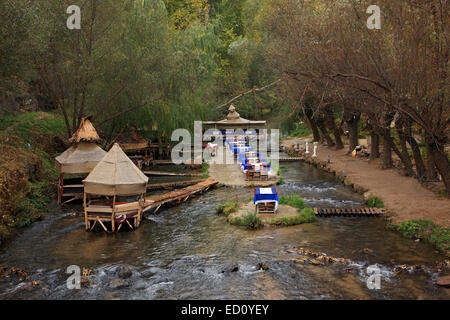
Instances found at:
x=404 y=197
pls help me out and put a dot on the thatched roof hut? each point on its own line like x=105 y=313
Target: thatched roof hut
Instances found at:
x=80 y=158
x=85 y=132
x=116 y=175
x=84 y=154
x=132 y=141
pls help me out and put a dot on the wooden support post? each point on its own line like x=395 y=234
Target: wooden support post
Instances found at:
x=113 y=227
x=86 y=221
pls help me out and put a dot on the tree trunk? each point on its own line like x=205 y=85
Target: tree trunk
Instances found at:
x=403 y=153
x=325 y=135
x=418 y=161
x=387 y=145
x=352 y=120
x=374 y=145
x=336 y=132
x=431 y=171
x=312 y=124
x=441 y=161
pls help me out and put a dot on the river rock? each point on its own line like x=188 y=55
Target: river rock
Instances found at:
x=231 y=268
x=119 y=284
x=124 y=271
x=262 y=266
x=443 y=281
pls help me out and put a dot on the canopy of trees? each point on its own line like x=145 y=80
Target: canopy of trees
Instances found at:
x=160 y=64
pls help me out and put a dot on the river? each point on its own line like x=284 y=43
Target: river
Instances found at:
x=180 y=253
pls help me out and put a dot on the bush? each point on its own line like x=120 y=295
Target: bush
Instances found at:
x=426 y=230
x=294 y=201
x=227 y=208
x=280 y=181
x=375 y=202
x=300 y=130
x=251 y=221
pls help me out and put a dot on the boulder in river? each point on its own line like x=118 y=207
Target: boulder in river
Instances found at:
x=119 y=284
x=231 y=268
x=124 y=271
x=262 y=266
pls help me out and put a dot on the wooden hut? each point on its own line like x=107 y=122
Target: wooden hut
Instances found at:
x=78 y=160
x=114 y=176
x=234 y=121
x=135 y=146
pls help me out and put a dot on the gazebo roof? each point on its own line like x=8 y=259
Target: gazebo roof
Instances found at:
x=85 y=132
x=235 y=121
x=80 y=158
x=117 y=175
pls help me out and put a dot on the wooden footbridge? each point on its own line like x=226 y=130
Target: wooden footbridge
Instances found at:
x=348 y=212
x=154 y=203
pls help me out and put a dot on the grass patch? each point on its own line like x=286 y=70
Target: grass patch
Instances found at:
x=293 y=201
x=427 y=231
x=227 y=208
x=205 y=171
x=280 y=181
x=250 y=221
x=375 y=202
x=306 y=215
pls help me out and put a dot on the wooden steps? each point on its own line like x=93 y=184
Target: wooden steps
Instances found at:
x=348 y=212
x=154 y=203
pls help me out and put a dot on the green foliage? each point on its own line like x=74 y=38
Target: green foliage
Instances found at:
x=293 y=201
x=300 y=130
x=426 y=230
x=227 y=208
x=27 y=172
x=280 y=181
x=250 y=221
x=278 y=171
x=205 y=168
x=375 y=202
x=306 y=215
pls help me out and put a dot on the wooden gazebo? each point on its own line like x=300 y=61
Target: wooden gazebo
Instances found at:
x=79 y=159
x=234 y=121
x=114 y=176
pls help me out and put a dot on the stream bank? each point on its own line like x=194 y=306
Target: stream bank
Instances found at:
x=409 y=205
x=28 y=177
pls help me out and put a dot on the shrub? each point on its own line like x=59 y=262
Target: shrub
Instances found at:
x=251 y=221
x=294 y=201
x=280 y=181
x=227 y=208
x=426 y=230
x=375 y=202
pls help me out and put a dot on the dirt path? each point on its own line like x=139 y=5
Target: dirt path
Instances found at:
x=404 y=197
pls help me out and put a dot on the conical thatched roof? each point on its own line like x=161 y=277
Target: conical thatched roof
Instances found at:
x=234 y=121
x=80 y=158
x=85 y=132
x=117 y=175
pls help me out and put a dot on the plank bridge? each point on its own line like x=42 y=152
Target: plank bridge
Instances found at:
x=154 y=203
x=348 y=212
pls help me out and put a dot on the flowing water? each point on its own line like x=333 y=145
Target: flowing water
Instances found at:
x=181 y=253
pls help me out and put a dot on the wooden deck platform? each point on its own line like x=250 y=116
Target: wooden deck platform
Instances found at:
x=172 y=185
x=154 y=203
x=165 y=173
x=348 y=212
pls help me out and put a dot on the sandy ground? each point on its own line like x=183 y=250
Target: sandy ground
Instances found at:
x=231 y=174
x=283 y=211
x=404 y=197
